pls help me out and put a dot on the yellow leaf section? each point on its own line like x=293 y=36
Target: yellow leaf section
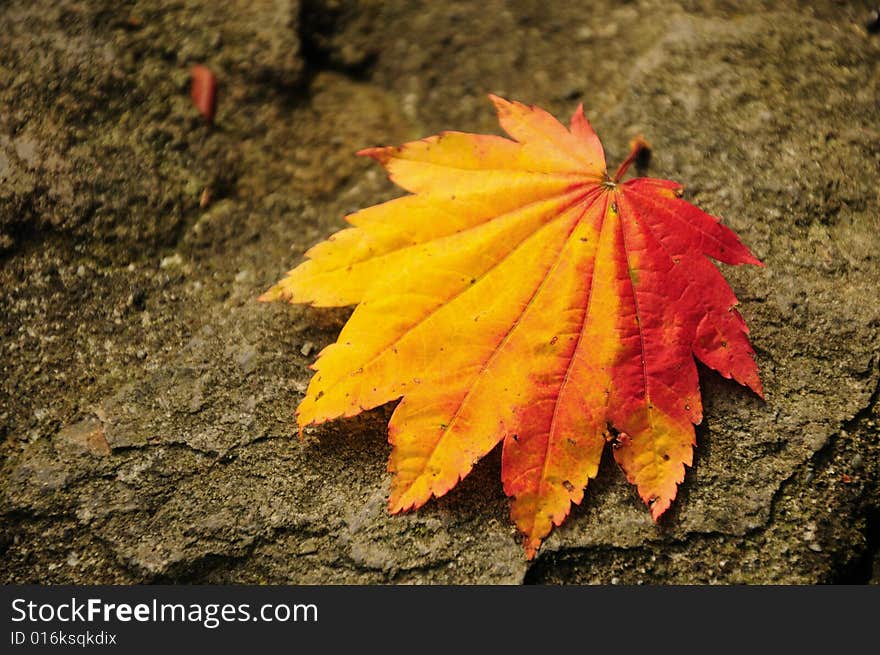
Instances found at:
x=654 y=450
x=419 y=176
x=548 y=141
x=450 y=292
x=439 y=433
x=584 y=132
x=448 y=159
x=486 y=176
x=547 y=471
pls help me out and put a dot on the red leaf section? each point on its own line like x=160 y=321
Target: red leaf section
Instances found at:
x=203 y=91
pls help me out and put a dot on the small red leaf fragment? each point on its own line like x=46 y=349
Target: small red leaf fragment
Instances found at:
x=204 y=91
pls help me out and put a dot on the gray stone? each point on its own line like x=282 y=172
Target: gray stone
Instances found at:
x=200 y=475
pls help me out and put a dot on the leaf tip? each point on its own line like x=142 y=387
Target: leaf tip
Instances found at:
x=658 y=507
x=578 y=118
x=501 y=104
x=303 y=418
x=756 y=386
x=398 y=503
x=278 y=291
x=531 y=547
x=380 y=153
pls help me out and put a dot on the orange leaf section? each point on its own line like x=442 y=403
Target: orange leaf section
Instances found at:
x=520 y=295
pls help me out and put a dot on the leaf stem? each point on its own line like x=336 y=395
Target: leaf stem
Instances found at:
x=637 y=145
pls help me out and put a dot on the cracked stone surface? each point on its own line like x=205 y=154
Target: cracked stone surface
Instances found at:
x=146 y=401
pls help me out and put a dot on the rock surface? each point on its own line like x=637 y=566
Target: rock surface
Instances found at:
x=147 y=400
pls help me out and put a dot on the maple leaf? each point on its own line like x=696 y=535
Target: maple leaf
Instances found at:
x=521 y=294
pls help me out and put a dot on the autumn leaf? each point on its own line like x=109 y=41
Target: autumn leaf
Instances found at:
x=521 y=294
